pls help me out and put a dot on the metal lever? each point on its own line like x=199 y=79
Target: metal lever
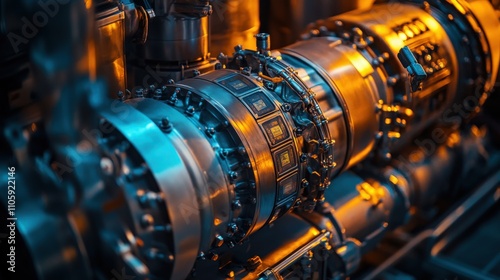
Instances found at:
x=416 y=71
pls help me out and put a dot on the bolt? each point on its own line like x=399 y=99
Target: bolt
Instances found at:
x=246 y=164
x=224 y=153
x=158 y=94
x=236 y=205
x=325 y=145
x=387 y=156
x=173 y=99
x=298 y=202
x=139 y=93
x=426 y=6
x=304 y=183
x=369 y=40
x=233 y=175
x=213 y=256
x=357 y=31
x=303 y=158
x=165 y=125
x=210 y=131
x=146 y=199
x=286 y=107
x=242 y=151
x=219 y=240
x=107 y=166
x=391 y=81
x=221 y=56
x=165 y=122
x=190 y=110
x=147 y=220
x=385 y=56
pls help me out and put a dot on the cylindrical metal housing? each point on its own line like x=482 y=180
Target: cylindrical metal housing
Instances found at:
x=176 y=38
x=110 y=42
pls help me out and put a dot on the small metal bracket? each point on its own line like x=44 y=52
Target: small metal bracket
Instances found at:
x=416 y=71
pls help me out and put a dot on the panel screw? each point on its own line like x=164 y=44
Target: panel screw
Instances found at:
x=232 y=228
x=213 y=256
x=158 y=94
x=147 y=220
x=233 y=175
x=165 y=125
x=139 y=93
x=236 y=205
x=210 y=131
x=190 y=110
x=286 y=107
x=219 y=240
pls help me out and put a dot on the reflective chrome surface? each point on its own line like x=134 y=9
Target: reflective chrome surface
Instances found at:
x=233 y=23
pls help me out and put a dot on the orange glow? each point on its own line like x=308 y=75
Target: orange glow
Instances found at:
x=69 y=254
x=393 y=179
x=416 y=156
x=394 y=134
x=88 y=4
x=139 y=242
x=291 y=247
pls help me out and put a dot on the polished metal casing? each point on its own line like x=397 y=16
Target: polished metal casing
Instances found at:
x=233 y=23
x=111 y=41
